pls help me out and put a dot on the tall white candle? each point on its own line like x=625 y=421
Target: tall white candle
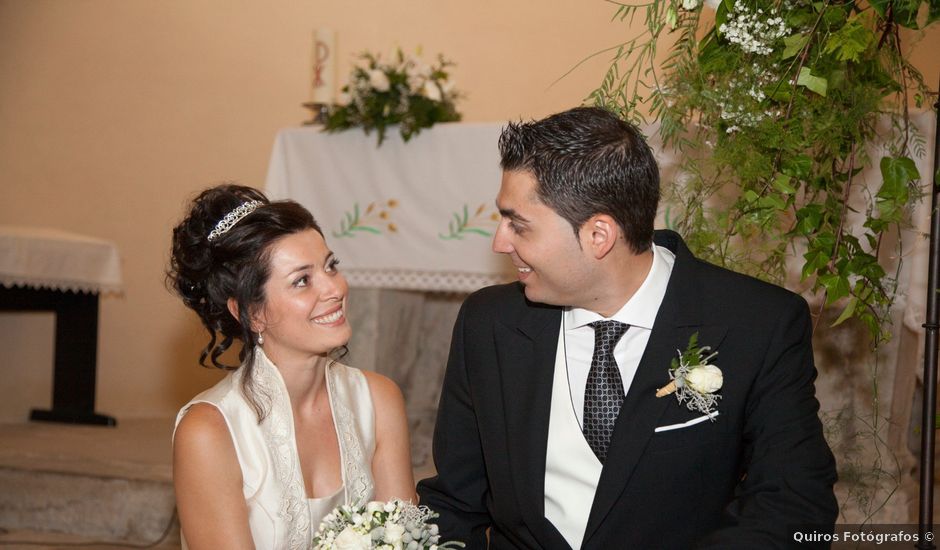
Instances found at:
x=323 y=80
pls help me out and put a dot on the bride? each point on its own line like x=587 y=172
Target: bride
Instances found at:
x=291 y=433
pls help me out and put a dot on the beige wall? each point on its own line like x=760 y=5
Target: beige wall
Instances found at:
x=113 y=112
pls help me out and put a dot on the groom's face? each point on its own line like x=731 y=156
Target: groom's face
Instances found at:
x=541 y=244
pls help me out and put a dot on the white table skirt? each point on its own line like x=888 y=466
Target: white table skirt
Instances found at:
x=38 y=257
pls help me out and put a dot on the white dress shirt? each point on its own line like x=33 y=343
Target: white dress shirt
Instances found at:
x=639 y=312
x=572 y=470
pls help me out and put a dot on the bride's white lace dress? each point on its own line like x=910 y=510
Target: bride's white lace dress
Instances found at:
x=279 y=513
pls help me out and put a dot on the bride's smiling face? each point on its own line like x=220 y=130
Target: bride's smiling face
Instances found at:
x=304 y=311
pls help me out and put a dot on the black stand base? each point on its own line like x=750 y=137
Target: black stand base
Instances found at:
x=72 y=417
x=76 y=351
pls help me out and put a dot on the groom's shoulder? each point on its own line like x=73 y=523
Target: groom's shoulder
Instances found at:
x=721 y=285
x=497 y=297
x=506 y=302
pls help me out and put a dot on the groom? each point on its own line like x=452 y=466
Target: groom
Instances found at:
x=550 y=432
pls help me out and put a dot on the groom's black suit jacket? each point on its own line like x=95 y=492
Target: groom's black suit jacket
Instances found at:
x=746 y=480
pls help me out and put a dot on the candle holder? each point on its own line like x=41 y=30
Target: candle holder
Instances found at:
x=320 y=112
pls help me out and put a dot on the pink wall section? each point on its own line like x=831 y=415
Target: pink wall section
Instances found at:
x=113 y=112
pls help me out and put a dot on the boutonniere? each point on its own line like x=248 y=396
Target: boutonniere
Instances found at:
x=693 y=379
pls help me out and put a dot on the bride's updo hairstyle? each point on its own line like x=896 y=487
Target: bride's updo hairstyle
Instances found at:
x=222 y=252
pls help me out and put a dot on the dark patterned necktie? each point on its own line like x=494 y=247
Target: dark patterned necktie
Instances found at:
x=603 y=395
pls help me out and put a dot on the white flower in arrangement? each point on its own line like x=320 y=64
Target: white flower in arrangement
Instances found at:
x=415 y=83
x=753 y=31
x=417 y=72
x=393 y=533
x=431 y=91
x=349 y=539
x=690 y=4
x=378 y=80
x=449 y=88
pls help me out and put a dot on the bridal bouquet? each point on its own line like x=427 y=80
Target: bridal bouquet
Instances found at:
x=394 y=525
x=405 y=91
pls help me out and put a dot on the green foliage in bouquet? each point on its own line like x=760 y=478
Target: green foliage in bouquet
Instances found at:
x=773 y=108
x=405 y=92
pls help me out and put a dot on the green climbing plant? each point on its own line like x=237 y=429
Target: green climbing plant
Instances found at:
x=773 y=108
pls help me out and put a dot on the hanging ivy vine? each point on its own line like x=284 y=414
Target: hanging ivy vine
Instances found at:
x=773 y=109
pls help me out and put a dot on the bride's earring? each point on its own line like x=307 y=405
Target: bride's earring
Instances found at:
x=260 y=339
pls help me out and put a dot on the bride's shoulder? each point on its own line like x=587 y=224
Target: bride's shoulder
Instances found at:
x=202 y=444
x=201 y=424
x=385 y=392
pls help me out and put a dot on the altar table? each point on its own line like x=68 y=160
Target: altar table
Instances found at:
x=49 y=270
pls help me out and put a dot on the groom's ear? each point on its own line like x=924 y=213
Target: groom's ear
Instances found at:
x=601 y=233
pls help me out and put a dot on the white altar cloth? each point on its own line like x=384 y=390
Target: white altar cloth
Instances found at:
x=38 y=257
x=416 y=216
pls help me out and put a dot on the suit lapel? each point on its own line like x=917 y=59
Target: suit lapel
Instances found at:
x=678 y=318
x=526 y=361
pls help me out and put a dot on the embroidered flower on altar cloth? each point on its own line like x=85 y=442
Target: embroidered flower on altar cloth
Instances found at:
x=693 y=379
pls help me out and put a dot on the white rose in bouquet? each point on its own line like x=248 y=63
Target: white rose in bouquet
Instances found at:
x=348 y=539
x=705 y=379
x=393 y=533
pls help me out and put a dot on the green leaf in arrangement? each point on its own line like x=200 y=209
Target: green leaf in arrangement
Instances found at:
x=848 y=43
x=809 y=218
x=812 y=82
x=836 y=285
x=772 y=201
x=793 y=45
x=672 y=17
x=903 y=12
x=721 y=14
x=798 y=166
x=847 y=312
x=815 y=259
x=782 y=184
x=897 y=173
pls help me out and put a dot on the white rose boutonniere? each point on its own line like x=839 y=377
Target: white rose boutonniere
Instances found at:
x=693 y=379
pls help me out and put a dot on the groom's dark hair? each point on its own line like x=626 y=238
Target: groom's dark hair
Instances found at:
x=587 y=161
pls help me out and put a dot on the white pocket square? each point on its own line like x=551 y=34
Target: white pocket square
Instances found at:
x=692 y=422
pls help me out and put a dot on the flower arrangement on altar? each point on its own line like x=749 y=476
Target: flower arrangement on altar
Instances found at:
x=405 y=91
x=393 y=525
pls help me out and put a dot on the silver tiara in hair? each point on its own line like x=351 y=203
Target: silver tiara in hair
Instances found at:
x=233 y=218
